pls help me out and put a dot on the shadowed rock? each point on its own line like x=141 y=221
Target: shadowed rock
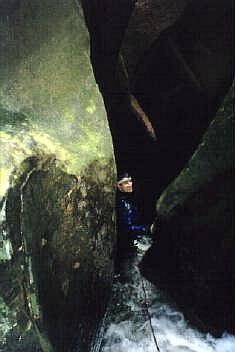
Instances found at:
x=62 y=233
x=193 y=256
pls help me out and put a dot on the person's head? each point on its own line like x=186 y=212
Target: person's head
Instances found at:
x=125 y=183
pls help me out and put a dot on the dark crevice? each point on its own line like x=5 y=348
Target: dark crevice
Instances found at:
x=179 y=81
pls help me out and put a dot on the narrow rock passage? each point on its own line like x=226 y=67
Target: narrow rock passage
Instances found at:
x=127 y=328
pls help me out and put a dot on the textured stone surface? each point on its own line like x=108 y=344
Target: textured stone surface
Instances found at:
x=148 y=20
x=50 y=104
x=65 y=245
x=193 y=257
x=181 y=68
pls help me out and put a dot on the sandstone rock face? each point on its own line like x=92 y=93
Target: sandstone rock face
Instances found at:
x=62 y=253
x=57 y=230
x=175 y=58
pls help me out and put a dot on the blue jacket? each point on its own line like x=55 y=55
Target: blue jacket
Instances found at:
x=128 y=217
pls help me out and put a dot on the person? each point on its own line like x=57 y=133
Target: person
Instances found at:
x=130 y=228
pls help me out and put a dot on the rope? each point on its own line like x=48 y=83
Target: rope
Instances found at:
x=149 y=316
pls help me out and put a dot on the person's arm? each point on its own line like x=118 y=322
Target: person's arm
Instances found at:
x=129 y=220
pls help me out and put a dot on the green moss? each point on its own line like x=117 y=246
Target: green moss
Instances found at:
x=50 y=103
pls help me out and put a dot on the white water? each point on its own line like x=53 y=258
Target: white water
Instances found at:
x=5 y=244
x=127 y=326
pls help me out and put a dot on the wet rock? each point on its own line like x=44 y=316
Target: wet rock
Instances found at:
x=60 y=226
x=193 y=257
x=177 y=62
x=62 y=231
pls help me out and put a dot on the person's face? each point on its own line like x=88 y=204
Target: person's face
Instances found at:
x=126 y=186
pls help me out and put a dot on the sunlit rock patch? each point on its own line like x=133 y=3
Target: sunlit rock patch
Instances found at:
x=49 y=100
x=57 y=230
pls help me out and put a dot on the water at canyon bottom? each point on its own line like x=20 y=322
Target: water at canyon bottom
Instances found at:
x=127 y=327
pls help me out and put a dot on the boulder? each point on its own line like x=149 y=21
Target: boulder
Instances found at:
x=59 y=278
x=57 y=216
x=193 y=256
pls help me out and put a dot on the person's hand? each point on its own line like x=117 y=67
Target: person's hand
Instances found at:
x=153 y=228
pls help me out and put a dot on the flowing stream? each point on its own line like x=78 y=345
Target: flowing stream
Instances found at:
x=127 y=327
